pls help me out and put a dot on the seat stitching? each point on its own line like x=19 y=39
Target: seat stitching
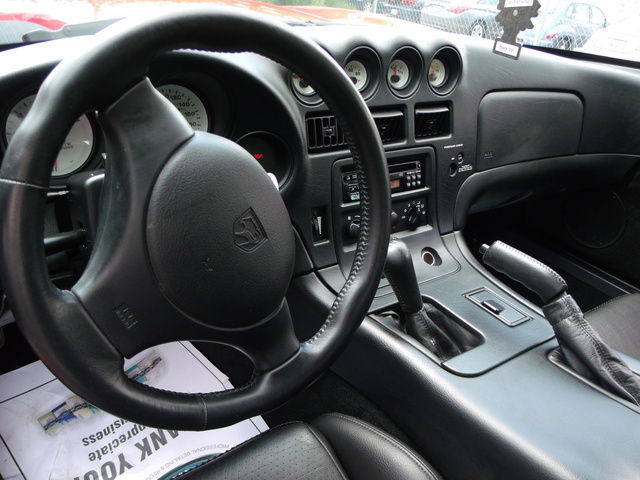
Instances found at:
x=585 y=327
x=606 y=303
x=326 y=450
x=559 y=280
x=392 y=441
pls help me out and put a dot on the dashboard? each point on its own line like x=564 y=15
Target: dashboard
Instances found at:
x=464 y=131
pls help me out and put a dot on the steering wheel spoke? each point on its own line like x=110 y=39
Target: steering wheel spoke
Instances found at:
x=269 y=343
x=117 y=289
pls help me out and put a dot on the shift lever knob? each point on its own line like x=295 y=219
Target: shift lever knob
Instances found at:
x=402 y=276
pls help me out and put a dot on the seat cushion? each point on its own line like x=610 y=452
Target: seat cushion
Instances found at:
x=331 y=447
x=618 y=323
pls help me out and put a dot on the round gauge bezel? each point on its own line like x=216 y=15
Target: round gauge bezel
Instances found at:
x=197 y=95
x=312 y=99
x=450 y=58
x=369 y=58
x=93 y=158
x=286 y=164
x=445 y=73
x=413 y=59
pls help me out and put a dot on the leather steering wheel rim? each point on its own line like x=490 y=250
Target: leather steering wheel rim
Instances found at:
x=63 y=332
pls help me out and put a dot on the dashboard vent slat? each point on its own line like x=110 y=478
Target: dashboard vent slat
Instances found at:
x=433 y=122
x=324 y=133
x=390 y=125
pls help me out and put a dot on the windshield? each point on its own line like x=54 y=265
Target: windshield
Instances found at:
x=601 y=27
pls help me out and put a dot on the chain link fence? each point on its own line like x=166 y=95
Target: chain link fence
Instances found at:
x=560 y=24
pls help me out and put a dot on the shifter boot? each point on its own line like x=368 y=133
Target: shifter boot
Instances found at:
x=581 y=346
x=422 y=321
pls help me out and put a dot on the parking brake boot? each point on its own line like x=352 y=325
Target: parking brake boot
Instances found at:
x=581 y=346
x=422 y=321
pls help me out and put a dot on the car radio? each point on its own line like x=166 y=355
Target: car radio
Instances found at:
x=402 y=177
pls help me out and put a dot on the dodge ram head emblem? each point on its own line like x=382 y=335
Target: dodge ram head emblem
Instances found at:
x=248 y=233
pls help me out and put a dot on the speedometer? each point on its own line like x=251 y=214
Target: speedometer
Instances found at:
x=188 y=104
x=77 y=147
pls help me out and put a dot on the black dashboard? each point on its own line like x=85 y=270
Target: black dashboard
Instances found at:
x=465 y=131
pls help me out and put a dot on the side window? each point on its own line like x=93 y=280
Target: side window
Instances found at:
x=581 y=13
x=597 y=17
x=569 y=13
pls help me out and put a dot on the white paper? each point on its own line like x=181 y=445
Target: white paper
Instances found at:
x=99 y=446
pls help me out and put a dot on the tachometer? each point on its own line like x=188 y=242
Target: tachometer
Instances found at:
x=77 y=147
x=358 y=74
x=398 y=74
x=188 y=104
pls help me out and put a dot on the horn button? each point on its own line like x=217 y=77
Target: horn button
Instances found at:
x=219 y=236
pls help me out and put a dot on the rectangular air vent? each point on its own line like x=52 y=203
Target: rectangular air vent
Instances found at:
x=390 y=125
x=324 y=133
x=433 y=121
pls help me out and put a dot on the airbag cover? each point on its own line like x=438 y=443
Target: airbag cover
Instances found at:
x=219 y=237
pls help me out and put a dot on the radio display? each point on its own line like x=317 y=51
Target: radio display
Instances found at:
x=395 y=183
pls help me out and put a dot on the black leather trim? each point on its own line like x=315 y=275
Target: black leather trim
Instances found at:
x=368 y=453
x=290 y=452
x=586 y=353
x=618 y=323
x=528 y=271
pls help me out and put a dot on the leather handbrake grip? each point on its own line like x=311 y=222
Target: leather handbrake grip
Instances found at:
x=522 y=268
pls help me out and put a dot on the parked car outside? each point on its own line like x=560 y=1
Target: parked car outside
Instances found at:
x=567 y=27
x=476 y=18
x=621 y=40
x=403 y=9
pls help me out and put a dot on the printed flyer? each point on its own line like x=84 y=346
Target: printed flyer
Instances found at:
x=47 y=432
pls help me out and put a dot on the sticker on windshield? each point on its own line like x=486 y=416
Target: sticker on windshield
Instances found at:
x=515 y=17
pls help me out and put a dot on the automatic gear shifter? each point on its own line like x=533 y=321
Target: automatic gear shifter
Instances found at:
x=581 y=346
x=422 y=321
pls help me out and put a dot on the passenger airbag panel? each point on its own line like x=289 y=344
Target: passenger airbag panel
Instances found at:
x=519 y=126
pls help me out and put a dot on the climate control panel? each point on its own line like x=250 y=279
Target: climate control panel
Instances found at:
x=405 y=215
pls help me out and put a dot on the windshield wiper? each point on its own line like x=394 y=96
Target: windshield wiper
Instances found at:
x=72 y=30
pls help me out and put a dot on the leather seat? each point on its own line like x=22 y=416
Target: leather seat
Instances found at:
x=333 y=446
x=618 y=323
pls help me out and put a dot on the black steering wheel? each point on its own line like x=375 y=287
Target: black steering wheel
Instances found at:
x=194 y=242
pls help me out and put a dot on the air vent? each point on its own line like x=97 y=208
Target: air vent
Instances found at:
x=390 y=125
x=433 y=122
x=324 y=133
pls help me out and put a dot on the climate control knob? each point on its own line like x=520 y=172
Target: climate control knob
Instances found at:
x=353 y=229
x=413 y=217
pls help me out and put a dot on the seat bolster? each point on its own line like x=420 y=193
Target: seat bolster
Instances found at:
x=618 y=323
x=366 y=452
x=294 y=451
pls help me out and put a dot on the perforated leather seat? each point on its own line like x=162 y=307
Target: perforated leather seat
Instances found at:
x=333 y=446
x=618 y=323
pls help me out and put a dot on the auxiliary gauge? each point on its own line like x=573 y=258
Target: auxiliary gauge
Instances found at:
x=358 y=74
x=398 y=74
x=301 y=86
x=438 y=73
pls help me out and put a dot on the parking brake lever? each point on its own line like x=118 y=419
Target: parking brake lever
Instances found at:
x=418 y=322
x=583 y=349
